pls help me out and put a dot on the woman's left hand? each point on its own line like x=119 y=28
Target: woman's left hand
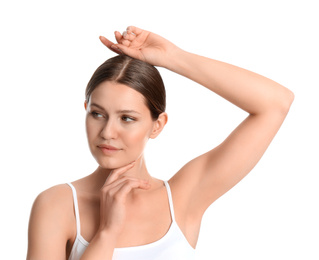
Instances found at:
x=142 y=45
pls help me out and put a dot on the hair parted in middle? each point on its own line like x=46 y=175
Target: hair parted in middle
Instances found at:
x=135 y=74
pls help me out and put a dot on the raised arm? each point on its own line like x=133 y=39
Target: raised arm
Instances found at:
x=267 y=104
x=207 y=177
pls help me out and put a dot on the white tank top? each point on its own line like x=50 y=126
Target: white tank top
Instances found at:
x=172 y=246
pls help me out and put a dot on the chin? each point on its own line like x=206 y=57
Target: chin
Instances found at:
x=112 y=163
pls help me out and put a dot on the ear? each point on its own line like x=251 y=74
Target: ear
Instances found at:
x=85 y=104
x=159 y=125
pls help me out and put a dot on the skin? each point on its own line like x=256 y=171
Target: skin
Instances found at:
x=116 y=201
x=128 y=131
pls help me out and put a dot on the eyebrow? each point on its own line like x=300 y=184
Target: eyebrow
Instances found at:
x=119 y=111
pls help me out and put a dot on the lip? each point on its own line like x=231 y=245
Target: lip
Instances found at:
x=108 y=149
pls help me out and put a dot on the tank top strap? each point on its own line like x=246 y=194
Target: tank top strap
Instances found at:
x=170 y=200
x=76 y=210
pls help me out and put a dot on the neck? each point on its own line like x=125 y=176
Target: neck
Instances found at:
x=139 y=171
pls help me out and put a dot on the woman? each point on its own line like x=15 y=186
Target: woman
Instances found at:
x=124 y=212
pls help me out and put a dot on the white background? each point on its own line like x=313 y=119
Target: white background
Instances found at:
x=49 y=50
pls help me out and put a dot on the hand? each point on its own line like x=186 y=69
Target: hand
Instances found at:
x=142 y=45
x=113 y=198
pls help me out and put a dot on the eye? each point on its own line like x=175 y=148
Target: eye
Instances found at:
x=96 y=114
x=128 y=118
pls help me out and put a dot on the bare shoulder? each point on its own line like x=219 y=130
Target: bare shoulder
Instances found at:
x=57 y=192
x=54 y=205
x=54 y=200
x=51 y=223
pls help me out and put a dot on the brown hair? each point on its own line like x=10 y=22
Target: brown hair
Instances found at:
x=135 y=74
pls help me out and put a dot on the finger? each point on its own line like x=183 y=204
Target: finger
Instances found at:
x=132 y=52
x=123 y=179
x=124 y=189
x=114 y=175
x=130 y=185
x=106 y=42
x=126 y=43
x=117 y=185
x=128 y=35
x=118 y=36
x=134 y=30
x=109 y=44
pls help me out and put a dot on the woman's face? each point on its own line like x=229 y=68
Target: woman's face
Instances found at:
x=118 y=124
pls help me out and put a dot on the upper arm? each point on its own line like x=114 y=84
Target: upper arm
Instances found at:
x=49 y=225
x=204 y=179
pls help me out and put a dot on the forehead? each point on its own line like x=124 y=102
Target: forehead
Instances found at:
x=111 y=94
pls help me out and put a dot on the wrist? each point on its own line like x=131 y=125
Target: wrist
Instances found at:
x=109 y=236
x=177 y=60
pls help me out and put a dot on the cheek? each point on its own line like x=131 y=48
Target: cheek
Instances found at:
x=136 y=139
x=92 y=129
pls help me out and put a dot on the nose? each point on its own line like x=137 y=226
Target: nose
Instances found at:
x=109 y=131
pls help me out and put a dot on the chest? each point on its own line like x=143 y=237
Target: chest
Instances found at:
x=146 y=221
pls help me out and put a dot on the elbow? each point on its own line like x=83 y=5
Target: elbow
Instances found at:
x=281 y=103
x=286 y=101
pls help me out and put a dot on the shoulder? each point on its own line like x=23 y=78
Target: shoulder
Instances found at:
x=51 y=209
x=54 y=199
x=52 y=223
